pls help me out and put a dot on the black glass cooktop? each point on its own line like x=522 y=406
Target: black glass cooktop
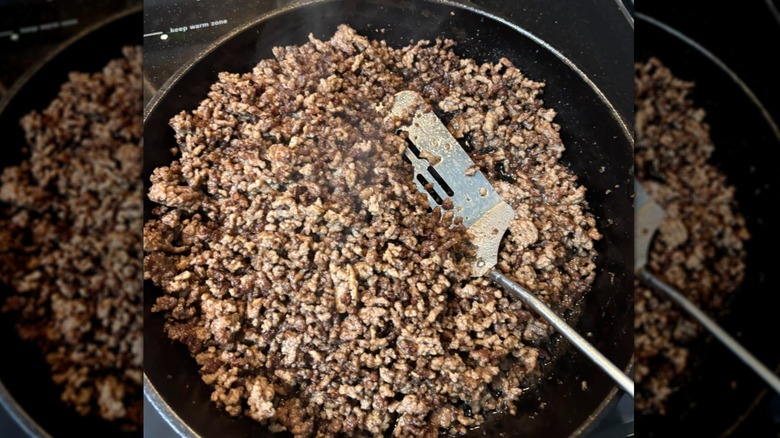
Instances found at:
x=30 y=29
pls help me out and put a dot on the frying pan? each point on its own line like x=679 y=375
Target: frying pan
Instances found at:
x=26 y=389
x=723 y=391
x=593 y=132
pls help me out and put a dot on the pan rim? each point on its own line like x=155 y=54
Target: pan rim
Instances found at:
x=719 y=63
x=7 y=400
x=164 y=89
x=626 y=127
x=647 y=19
x=170 y=417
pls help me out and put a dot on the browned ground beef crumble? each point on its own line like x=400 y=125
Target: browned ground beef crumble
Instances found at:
x=70 y=239
x=305 y=272
x=699 y=248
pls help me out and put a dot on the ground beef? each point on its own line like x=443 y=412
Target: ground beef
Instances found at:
x=699 y=247
x=70 y=239
x=306 y=273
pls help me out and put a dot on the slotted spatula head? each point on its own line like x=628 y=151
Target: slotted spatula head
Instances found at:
x=447 y=175
x=648 y=216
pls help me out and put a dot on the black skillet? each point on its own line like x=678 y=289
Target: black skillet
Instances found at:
x=26 y=389
x=723 y=391
x=591 y=129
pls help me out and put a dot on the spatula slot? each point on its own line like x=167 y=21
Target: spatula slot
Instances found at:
x=429 y=188
x=412 y=147
x=441 y=181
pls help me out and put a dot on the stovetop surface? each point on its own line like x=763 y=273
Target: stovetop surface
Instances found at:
x=30 y=29
x=176 y=31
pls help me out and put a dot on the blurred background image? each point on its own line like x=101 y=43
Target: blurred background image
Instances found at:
x=595 y=36
x=70 y=218
x=706 y=111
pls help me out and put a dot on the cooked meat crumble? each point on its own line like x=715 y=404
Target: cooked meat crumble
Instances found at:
x=305 y=272
x=70 y=239
x=699 y=248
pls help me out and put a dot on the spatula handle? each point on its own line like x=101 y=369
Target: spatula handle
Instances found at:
x=623 y=381
x=765 y=373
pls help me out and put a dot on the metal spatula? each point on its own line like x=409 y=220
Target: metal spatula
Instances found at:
x=648 y=216
x=443 y=170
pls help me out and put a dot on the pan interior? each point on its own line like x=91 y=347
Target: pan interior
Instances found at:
x=591 y=131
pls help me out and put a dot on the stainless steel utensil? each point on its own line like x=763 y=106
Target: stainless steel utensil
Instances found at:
x=648 y=216
x=444 y=172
